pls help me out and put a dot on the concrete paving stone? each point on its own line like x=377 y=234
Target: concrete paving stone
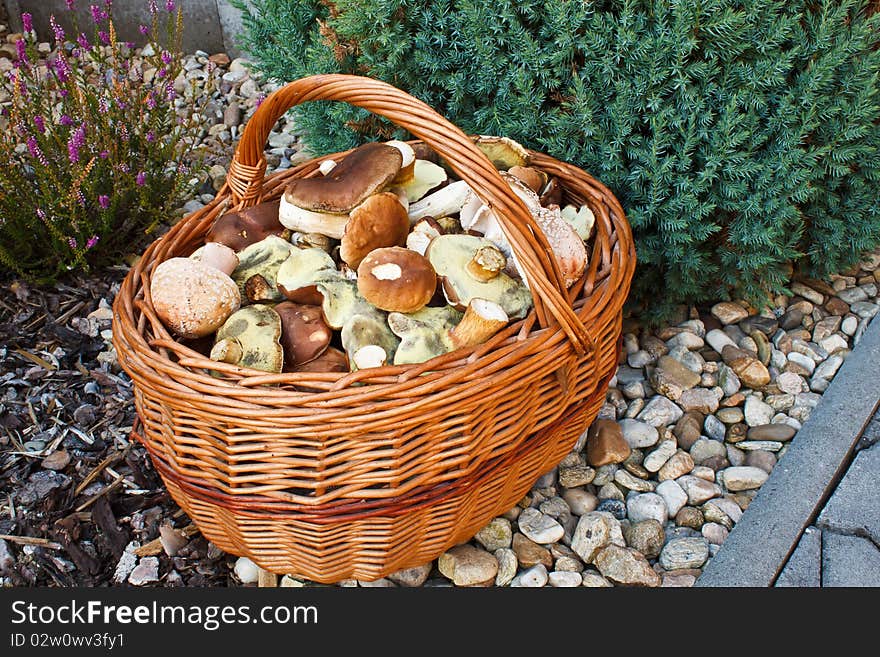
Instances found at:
x=871 y=434
x=854 y=506
x=804 y=567
x=849 y=561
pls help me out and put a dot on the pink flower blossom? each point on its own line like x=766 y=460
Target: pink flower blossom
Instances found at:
x=40 y=123
x=21 y=51
x=141 y=178
x=103 y=201
x=104 y=37
x=57 y=30
x=92 y=241
x=169 y=6
x=65 y=120
x=77 y=141
x=71 y=242
x=69 y=5
x=27 y=23
x=83 y=42
x=98 y=14
x=35 y=151
x=143 y=29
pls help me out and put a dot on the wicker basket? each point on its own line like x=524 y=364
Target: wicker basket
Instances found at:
x=333 y=476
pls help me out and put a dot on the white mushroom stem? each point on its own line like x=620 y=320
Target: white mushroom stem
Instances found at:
x=418 y=242
x=326 y=166
x=482 y=319
x=371 y=355
x=486 y=264
x=306 y=221
x=219 y=256
x=227 y=350
x=448 y=200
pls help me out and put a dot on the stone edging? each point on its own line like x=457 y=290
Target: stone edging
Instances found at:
x=760 y=544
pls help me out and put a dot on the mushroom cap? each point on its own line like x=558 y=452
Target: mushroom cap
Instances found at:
x=503 y=152
x=423 y=334
x=264 y=258
x=257 y=329
x=368 y=331
x=311 y=274
x=364 y=171
x=332 y=360
x=426 y=176
x=379 y=221
x=304 y=334
x=241 y=228
x=569 y=249
x=191 y=298
x=450 y=255
x=396 y=279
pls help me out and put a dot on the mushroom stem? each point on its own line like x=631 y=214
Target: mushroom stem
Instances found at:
x=482 y=319
x=219 y=256
x=227 y=350
x=257 y=289
x=371 y=355
x=486 y=264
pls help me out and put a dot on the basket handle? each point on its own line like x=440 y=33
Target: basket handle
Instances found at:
x=527 y=241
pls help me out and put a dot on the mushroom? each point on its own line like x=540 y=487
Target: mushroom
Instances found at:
x=445 y=201
x=396 y=279
x=552 y=193
x=304 y=334
x=426 y=176
x=422 y=233
x=241 y=228
x=568 y=248
x=250 y=338
x=308 y=240
x=217 y=255
x=261 y=259
x=407 y=164
x=455 y=258
x=503 y=152
x=379 y=221
x=191 y=297
x=434 y=331
x=368 y=341
x=322 y=205
x=332 y=360
x=581 y=219
x=534 y=178
x=309 y=276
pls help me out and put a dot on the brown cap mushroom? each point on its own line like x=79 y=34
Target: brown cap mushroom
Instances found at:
x=332 y=360
x=322 y=204
x=379 y=221
x=407 y=164
x=241 y=228
x=192 y=298
x=396 y=279
x=304 y=334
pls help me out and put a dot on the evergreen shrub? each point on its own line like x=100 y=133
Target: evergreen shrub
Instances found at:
x=741 y=136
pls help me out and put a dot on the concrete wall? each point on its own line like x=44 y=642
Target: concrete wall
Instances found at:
x=209 y=25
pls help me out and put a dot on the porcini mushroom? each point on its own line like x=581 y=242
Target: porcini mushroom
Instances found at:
x=368 y=341
x=322 y=205
x=332 y=360
x=407 y=164
x=503 y=152
x=534 y=178
x=581 y=219
x=379 y=221
x=431 y=332
x=396 y=279
x=310 y=276
x=241 y=228
x=453 y=258
x=192 y=298
x=250 y=338
x=445 y=201
x=304 y=334
x=426 y=176
x=422 y=233
x=262 y=259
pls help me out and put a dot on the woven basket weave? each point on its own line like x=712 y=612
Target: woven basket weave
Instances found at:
x=332 y=476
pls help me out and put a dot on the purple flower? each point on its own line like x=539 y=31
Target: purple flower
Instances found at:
x=77 y=140
x=151 y=101
x=124 y=168
x=27 y=23
x=65 y=120
x=92 y=241
x=81 y=199
x=98 y=14
x=166 y=57
x=130 y=45
x=259 y=101
x=40 y=123
x=104 y=37
x=35 y=151
x=41 y=214
x=56 y=29
x=71 y=241
x=69 y=5
x=83 y=42
x=104 y=155
x=169 y=6
x=153 y=8
x=143 y=29
x=170 y=94
x=151 y=137
x=21 y=51
x=104 y=202
x=62 y=68
x=140 y=179
x=102 y=105
x=161 y=73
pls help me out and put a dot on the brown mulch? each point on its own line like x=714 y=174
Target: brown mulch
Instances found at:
x=75 y=491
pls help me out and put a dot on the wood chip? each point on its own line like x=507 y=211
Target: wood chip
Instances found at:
x=30 y=540
x=46 y=365
x=155 y=547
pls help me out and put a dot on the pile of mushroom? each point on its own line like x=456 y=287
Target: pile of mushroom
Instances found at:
x=380 y=258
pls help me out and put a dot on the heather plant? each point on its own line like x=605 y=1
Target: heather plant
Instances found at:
x=97 y=144
x=741 y=136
